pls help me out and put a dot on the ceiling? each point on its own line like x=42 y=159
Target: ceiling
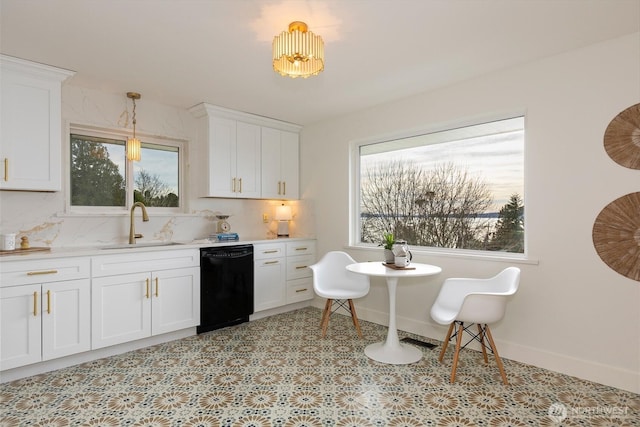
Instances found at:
x=182 y=52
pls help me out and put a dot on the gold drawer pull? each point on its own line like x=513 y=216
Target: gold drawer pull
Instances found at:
x=35 y=303
x=157 y=293
x=147 y=285
x=301 y=249
x=284 y=188
x=279 y=185
x=300 y=267
x=37 y=273
x=301 y=290
x=6 y=169
x=272 y=262
x=240 y=185
x=272 y=251
x=49 y=301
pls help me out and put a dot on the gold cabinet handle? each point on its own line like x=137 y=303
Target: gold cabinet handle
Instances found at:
x=240 y=185
x=284 y=187
x=157 y=293
x=35 y=303
x=301 y=290
x=233 y=185
x=49 y=301
x=271 y=262
x=147 y=282
x=6 y=169
x=300 y=267
x=279 y=185
x=301 y=249
x=37 y=273
x=271 y=251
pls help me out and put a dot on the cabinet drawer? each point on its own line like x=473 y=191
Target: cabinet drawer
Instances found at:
x=299 y=290
x=307 y=247
x=43 y=271
x=268 y=250
x=109 y=265
x=298 y=266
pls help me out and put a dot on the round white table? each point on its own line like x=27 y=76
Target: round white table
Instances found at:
x=392 y=350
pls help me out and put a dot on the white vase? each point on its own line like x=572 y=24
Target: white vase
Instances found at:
x=389 y=258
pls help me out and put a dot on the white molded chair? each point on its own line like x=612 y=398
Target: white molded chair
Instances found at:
x=464 y=301
x=331 y=280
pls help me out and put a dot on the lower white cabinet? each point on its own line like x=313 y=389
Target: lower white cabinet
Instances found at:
x=46 y=314
x=139 y=304
x=281 y=273
x=269 y=276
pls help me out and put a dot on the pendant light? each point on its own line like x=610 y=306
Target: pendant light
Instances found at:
x=133 y=144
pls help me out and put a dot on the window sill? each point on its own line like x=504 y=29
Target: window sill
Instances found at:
x=460 y=254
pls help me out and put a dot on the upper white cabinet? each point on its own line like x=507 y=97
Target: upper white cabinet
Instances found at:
x=234 y=148
x=280 y=169
x=31 y=131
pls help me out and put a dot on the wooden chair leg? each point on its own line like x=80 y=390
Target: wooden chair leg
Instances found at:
x=495 y=353
x=484 y=348
x=457 y=353
x=446 y=342
x=325 y=316
x=354 y=317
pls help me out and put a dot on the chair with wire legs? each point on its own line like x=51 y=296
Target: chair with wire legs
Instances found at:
x=463 y=302
x=331 y=280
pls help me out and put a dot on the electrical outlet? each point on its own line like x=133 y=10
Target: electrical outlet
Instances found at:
x=265 y=218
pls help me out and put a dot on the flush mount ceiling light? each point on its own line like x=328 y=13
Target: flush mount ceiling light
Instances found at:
x=133 y=144
x=298 y=52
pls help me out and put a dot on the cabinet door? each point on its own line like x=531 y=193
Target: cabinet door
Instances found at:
x=289 y=161
x=269 y=283
x=120 y=309
x=175 y=300
x=20 y=324
x=247 y=184
x=222 y=157
x=271 y=181
x=66 y=318
x=30 y=157
x=280 y=161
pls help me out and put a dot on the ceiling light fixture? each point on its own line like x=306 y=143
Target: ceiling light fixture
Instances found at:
x=298 y=52
x=133 y=144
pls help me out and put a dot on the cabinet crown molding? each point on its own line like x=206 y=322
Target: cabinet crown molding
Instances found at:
x=209 y=110
x=36 y=69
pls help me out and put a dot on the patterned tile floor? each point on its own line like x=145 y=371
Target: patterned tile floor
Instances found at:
x=278 y=372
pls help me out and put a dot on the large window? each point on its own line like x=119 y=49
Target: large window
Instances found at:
x=101 y=179
x=459 y=189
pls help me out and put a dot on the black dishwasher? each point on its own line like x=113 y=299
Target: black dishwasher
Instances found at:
x=226 y=286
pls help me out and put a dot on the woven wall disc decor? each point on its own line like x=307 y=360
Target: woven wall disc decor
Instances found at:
x=616 y=235
x=622 y=138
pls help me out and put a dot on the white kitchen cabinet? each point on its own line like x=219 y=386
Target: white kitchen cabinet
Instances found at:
x=31 y=131
x=280 y=170
x=269 y=276
x=300 y=255
x=229 y=156
x=140 y=295
x=44 y=310
x=281 y=273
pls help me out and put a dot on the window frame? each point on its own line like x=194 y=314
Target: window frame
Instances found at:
x=120 y=134
x=355 y=191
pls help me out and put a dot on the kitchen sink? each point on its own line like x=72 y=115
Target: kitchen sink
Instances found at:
x=140 y=245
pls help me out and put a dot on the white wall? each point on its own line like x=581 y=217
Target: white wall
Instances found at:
x=572 y=313
x=42 y=216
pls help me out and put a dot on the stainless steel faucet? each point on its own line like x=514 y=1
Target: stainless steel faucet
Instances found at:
x=132 y=230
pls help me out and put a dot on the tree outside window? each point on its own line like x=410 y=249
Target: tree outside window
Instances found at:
x=455 y=189
x=98 y=171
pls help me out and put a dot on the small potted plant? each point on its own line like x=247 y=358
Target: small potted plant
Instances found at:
x=387 y=242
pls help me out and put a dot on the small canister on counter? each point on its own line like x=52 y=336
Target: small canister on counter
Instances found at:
x=8 y=242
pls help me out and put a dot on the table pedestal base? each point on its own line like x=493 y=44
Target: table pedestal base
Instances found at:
x=396 y=355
